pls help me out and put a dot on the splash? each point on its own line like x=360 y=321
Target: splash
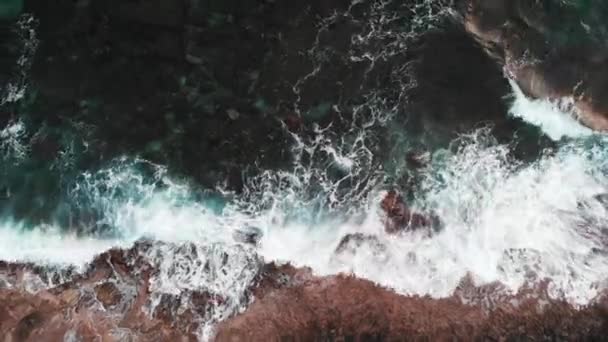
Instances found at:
x=556 y=119
x=48 y=245
x=503 y=222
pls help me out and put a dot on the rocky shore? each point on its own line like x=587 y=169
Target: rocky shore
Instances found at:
x=112 y=301
x=552 y=52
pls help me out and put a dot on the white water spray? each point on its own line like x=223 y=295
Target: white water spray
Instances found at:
x=554 y=118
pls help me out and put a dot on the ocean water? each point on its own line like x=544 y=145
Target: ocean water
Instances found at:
x=503 y=220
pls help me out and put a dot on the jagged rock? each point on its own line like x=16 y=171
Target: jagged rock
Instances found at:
x=129 y=57
x=288 y=302
x=108 y=294
x=400 y=218
x=545 y=62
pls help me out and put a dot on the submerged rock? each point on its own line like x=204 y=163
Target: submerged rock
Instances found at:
x=399 y=217
x=351 y=242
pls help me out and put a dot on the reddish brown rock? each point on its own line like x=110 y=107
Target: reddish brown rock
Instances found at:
x=293 y=122
x=289 y=304
x=347 y=308
x=518 y=34
x=399 y=217
x=87 y=306
x=108 y=294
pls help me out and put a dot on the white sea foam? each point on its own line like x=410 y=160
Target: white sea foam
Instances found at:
x=502 y=222
x=15 y=89
x=48 y=245
x=13 y=144
x=554 y=118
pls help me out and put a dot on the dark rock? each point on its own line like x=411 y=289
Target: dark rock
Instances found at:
x=400 y=218
x=343 y=307
x=293 y=122
x=28 y=324
x=351 y=242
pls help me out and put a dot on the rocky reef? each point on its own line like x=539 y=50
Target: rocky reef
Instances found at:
x=113 y=300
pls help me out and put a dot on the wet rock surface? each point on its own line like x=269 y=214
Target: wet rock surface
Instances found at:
x=353 y=309
x=399 y=217
x=552 y=50
x=104 y=302
x=111 y=300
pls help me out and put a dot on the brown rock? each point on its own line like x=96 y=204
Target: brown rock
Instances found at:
x=70 y=296
x=108 y=294
x=516 y=32
x=290 y=303
x=27 y=324
x=399 y=217
x=346 y=308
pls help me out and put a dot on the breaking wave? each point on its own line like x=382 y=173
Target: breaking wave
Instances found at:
x=503 y=221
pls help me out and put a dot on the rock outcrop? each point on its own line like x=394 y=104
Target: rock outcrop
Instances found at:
x=107 y=302
x=548 y=50
x=113 y=300
x=351 y=309
x=399 y=217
